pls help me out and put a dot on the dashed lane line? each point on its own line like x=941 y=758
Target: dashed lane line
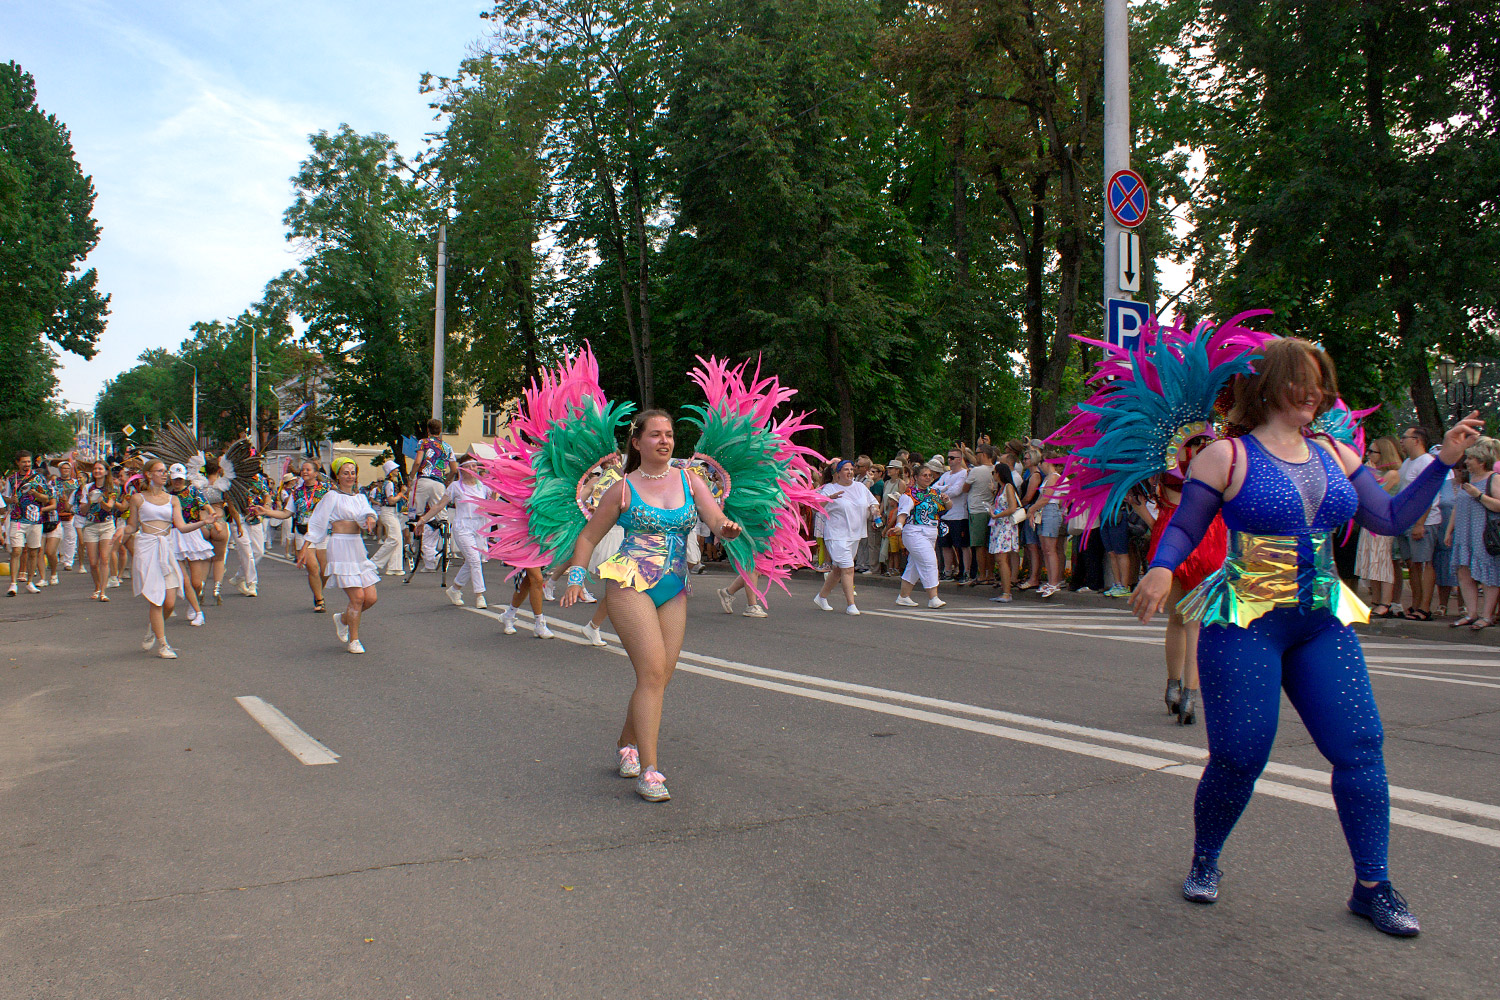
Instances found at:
x=898 y=702
x=286 y=732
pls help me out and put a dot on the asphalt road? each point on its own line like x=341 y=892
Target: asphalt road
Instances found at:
x=978 y=802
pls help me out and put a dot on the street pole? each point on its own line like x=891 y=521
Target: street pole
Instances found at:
x=254 y=394
x=437 y=324
x=1116 y=129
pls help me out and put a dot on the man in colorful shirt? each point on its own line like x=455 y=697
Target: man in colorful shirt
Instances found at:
x=435 y=462
x=24 y=491
x=67 y=502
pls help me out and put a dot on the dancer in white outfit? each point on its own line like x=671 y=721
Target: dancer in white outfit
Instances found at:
x=156 y=519
x=464 y=494
x=194 y=550
x=338 y=519
x=392 y=493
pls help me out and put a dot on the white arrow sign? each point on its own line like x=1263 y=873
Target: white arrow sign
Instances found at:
x=1130 y=262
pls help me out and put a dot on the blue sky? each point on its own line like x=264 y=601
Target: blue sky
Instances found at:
x=192 y=115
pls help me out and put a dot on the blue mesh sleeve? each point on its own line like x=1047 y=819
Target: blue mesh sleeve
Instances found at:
x=1200 y=503
x=1391 y=515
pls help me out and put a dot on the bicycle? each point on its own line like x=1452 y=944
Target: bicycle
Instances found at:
x=412 y=549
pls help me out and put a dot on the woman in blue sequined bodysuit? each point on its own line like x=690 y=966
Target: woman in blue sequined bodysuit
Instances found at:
x=646 y=580
x=1276 y=616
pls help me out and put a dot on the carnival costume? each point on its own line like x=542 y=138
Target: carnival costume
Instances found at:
x=1275 y=616
x=239 y=465
x=565 y=430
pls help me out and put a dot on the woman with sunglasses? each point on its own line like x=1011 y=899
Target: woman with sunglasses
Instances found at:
x=334 y=529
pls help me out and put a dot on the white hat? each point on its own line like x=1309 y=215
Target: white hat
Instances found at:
x=936 y=464
x=389 y=467
x=177 y=471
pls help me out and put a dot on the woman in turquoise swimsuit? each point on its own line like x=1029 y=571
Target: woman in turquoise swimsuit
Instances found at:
x=646 y=580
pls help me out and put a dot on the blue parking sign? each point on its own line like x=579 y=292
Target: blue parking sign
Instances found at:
x=1123 y=321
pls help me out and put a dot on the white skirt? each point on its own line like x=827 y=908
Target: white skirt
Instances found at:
x=608 y=546
x=192 y=546
x=348 y=564
x=154 y=571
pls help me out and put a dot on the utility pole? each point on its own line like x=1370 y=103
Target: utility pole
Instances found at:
x=437 y=324
x=1116 y=129
x=254 y=393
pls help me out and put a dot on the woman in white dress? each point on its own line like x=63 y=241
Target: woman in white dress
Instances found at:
x=194 y=550
x=464 y=495
x=339 y=518
x=156 y=519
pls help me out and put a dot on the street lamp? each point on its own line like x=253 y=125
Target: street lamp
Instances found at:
x=195 y=395
x=1445 y=368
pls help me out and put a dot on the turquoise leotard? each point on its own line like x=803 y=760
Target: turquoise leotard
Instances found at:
x=653 y=554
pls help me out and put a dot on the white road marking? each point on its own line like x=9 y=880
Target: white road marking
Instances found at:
x=809 y=686
x=286 y=732
x=1433 y=679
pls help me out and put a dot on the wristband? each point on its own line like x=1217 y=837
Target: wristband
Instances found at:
x=577 y=576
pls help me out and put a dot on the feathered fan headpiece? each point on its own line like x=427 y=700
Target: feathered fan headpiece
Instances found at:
x=1147 y=405
x=238 y=466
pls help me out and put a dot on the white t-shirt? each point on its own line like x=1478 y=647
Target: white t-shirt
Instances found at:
x=1410 y=470
x=847 y=513
x=951 y=485
x=463 y=497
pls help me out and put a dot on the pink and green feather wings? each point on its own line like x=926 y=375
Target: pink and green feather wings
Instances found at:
x=770 y=475
x=564 y=427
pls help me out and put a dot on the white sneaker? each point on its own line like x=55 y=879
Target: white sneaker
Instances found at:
x=167 y=652
x=252 y=592
x=726 y=601
x=540 y=630
x=149 y=642
x=906 y=602
x=822 y=602
x=851 y=610
x=340 y=628
x=53 y=580
x=356 y=646
x=754 y=611
x=937 y=602
x=480 y=602
x=243 y=588
x=588 y=598
x=42 y=582
x=32 y=588
x=593 y=635
x=508 y=621
x=455 y=596
x=13 y=591
x=548 y=593
x=628 y=760
x=114 y=582
x=198 y=620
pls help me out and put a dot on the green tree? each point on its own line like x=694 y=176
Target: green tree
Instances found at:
x=492 y=165
x=788 y=243
x=363 y=225
x=155 y=389
x=46 y=230
x=1353 y=178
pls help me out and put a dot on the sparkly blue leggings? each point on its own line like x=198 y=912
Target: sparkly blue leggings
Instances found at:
x=1317 y=660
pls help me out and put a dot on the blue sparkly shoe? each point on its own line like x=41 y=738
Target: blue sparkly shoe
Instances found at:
x=1384 y=907
x=1202 y=883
